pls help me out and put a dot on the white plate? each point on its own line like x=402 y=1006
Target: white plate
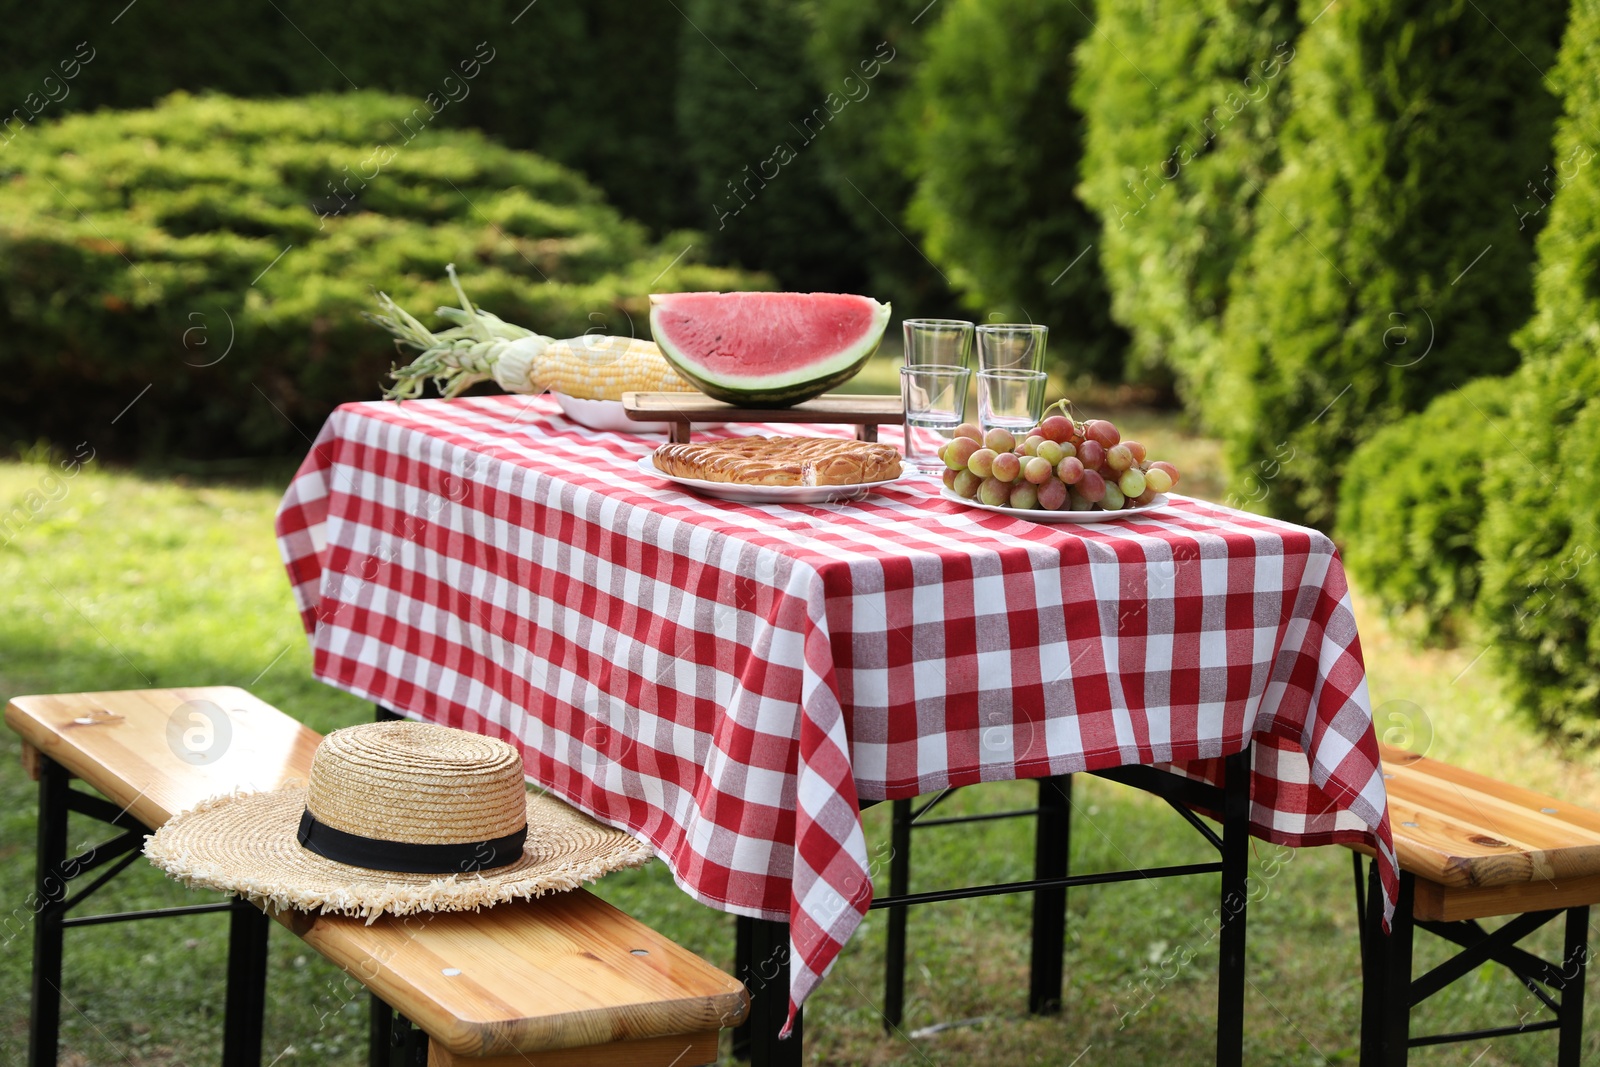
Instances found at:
x=603 y=415
x=770 y=494
x=1035 y=515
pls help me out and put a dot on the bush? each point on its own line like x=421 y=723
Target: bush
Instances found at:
x=1389 y=264
x=1411 y=502
x=998 y=149
x=1540 y=538
x=1182 y=102
x=758 y=176
x=867 y=150
x=556 y=68
x=203 y=264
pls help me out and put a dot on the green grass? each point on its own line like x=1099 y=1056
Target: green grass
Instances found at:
x=128 y=580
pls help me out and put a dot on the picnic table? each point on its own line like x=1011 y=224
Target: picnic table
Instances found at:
x=732 y=682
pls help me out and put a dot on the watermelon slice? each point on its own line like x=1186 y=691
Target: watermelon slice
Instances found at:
x=767 y=349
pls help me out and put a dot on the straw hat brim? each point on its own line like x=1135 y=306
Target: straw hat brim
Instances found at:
x=247 y=844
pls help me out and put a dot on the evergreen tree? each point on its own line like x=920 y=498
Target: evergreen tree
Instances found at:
x=998 y=148
x=1392 y=251
x=867 y=154
x=750 y=116
x=1540 y=537
x=1182 y=101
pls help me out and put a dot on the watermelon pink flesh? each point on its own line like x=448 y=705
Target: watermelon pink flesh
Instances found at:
x=767 y=348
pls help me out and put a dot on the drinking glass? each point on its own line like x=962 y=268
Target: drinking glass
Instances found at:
x=1010 y=399
x=1011 y=346
x=936 y=403
x=938 y=342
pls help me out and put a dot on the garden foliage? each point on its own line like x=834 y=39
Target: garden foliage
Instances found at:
x=998 y=151
x=1411 y=503
x=590 y=85
x=1392 y=250
x=868 y=152
x=1182 y=102
x=1540 y=538
x=753 y=117
x=220 y=252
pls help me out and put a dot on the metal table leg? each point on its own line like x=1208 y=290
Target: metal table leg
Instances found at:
x=1235 y=897
x=50 y=890
x=1052 y=839
x=767 y=978
x=894 y=962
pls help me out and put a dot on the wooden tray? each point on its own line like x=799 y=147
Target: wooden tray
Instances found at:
x=682 y=410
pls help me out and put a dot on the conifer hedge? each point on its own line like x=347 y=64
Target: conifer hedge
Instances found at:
x=1182 y=102
x=1540 y=538
x=189 y=279
x=1390 y=262
x=999 y=144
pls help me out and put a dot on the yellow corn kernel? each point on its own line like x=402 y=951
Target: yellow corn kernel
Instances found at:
x=601 y=367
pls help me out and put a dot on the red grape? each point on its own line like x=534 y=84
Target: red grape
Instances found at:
x=1053 y=495
x=1137 y=449
x=1024 y=495
x=950 y=478
x=1092 y=486
x=1114 y=499
x=1092 y=454
x=1070 y=470
x=1158 y=480
x=966 y=484
x=981 y=462
x=1000 y=440
x=970 y=432
x=1007 y=466
x=1102 y=431
x=1118 y=458
x=994 y=492
x=958 y=452
x=1057 y=428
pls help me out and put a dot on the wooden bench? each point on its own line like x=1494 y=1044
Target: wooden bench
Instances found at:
x=568 y=976
x=1471 y=848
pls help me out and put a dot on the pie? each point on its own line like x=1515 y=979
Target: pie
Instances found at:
x=781 y=461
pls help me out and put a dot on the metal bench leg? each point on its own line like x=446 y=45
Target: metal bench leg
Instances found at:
x=1052 y=841
x=1574 y=968
x=50 y=889
x=1235 y=896
x=392 y=1040
x=247 y=984
x=894 y=953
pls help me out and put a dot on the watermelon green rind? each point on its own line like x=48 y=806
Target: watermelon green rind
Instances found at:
x=783 y=389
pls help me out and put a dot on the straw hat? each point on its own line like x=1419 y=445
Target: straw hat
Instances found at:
x=397 y=817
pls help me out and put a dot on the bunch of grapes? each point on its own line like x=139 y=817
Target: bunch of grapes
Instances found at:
x=1059 y=465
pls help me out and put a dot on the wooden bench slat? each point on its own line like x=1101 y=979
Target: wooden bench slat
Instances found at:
x=1471 y=832
x=587 y=987
x=651 y=1052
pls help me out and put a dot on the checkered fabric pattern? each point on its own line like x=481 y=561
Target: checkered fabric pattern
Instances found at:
x=729 y=681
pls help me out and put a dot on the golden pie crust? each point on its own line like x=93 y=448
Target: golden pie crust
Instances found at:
x=781 y=461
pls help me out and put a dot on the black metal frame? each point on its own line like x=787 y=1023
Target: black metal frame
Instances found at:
x=762 y=947
x=1389 y=991
x=54 y=870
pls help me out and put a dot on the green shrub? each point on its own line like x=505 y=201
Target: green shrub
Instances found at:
x=1390 y=264
x=1540 y=538
x=867 y=151
x=1411 y=502
x=1182 y=102
x=219 y=252
x=998 y=149
x=590 y=85
x=752 y=117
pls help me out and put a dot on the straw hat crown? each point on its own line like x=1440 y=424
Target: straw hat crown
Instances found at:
x=417 y=783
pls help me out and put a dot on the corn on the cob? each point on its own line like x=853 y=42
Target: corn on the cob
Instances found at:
x=600 y=367
x=482 y=347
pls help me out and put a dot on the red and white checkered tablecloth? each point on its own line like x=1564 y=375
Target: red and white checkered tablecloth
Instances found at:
x=729 y=681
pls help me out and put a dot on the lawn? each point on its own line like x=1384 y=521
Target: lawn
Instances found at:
x=124 y=579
